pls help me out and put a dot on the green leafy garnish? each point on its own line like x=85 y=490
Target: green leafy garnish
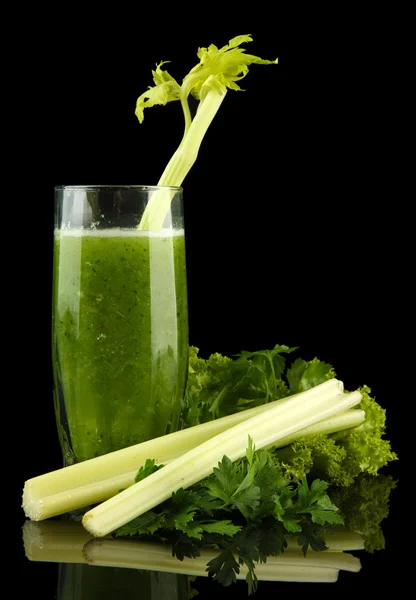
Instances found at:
x=301 y=490
x=219 y=386
x=245 y=509
x=147 y=469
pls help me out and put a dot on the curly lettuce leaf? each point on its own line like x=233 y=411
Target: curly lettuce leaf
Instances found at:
x=341 y=457
x=317 y=455
x=367 y=449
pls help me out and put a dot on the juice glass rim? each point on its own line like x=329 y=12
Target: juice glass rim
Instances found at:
x=178 y=188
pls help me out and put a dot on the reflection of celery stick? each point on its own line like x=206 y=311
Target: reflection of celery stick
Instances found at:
x=55 y=541
x=68 y=542
x=337 y=539
x=145 y=555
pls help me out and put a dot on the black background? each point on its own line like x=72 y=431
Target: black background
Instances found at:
x=288 y=207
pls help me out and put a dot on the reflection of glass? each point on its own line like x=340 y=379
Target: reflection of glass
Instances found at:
x=63 y=542
x=83 y=582
x=120 y=327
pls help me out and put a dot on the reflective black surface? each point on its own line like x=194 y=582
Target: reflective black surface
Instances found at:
x=71 y=581
x=291 y=236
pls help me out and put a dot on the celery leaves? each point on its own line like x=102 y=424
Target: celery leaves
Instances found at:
x=226 y=65
x=218 y=69
x=166 y=90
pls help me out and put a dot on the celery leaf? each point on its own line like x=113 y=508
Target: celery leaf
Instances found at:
x=228 y=65
x=166 y=90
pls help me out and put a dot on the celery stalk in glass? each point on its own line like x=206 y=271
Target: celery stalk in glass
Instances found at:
x=218 y=70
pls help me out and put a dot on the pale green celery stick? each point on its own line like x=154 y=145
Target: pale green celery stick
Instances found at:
x=218 y=69
x=294 y=414
x=289 y=566
x=344 y=421
x=180 y=163
x=100 y=478
x=339 y=435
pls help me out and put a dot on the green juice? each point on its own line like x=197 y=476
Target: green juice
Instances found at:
x=120 y=337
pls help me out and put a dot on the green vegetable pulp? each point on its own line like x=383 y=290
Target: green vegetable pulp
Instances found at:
x=120 y=338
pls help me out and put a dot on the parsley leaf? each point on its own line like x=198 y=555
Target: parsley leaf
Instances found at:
x=304 y=375
x=245 y=509
x=147 y=469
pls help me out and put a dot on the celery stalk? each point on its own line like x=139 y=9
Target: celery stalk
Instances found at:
x=180 y=164
x=101 y=478
x=341 y=422
x=186 y=155
x=218 y=69
x=293 y=414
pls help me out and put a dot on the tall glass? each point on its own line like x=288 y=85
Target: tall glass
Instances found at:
x=119 y=319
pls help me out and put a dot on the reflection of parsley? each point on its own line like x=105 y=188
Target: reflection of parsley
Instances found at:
x=244 y=509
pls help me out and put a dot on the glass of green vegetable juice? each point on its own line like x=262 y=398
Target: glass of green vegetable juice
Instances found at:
x=119 y=318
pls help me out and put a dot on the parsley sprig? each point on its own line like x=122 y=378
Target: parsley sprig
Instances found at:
x=245 y=509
